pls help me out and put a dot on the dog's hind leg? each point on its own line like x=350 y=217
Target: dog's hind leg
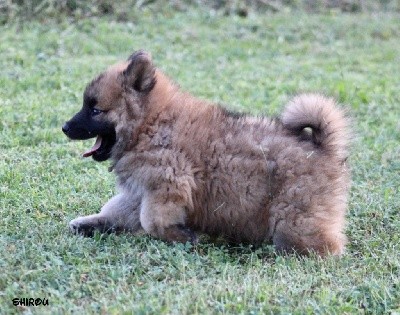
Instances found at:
x=308 y=235
x=120 y=213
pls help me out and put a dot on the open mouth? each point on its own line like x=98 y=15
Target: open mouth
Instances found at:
x=95 y=147
x=101 y=149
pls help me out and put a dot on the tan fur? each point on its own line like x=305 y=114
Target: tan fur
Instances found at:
x=185 y=165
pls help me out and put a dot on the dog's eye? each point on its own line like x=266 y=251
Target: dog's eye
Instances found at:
x=96 y=111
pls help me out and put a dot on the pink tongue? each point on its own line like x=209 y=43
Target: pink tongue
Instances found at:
x=95 y=147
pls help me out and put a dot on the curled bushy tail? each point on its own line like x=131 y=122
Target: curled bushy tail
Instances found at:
x=329 y=125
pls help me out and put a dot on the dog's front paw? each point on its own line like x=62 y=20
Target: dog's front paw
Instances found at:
x=81 y=226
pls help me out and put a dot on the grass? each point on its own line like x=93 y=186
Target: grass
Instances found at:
x=125 y=10
x=254 y=64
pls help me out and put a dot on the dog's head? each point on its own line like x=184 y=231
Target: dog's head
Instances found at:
x=110 y=100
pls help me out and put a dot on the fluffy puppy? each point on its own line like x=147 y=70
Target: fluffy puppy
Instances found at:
x=185 y=165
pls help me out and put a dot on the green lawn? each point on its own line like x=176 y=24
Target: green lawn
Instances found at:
x=254 y=64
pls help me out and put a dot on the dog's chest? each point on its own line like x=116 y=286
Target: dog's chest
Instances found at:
x=161 y=138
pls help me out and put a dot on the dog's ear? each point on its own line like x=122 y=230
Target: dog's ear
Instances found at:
x=140 y=72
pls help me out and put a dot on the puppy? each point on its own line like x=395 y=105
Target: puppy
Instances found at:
x=185 y=165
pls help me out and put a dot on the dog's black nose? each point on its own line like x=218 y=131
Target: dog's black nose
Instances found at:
x=65 y=128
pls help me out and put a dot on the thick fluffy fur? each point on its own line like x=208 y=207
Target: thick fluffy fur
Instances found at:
x=185 y=165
